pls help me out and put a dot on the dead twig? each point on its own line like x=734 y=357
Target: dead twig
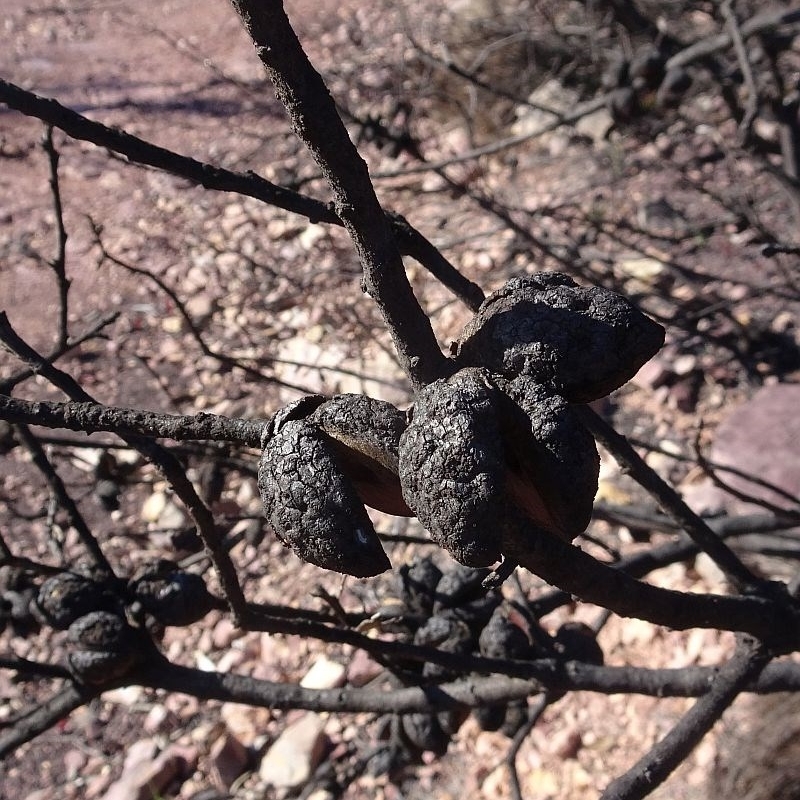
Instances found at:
x=650 y=771
x=751 y=103
x=166 y=461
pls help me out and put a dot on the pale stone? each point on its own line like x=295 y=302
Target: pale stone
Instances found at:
x=153 y=506
x=295 y=754
x=324 y=674
x=644 y=269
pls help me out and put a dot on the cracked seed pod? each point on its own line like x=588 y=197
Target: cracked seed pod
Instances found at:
x=501 y=638
x=365 y=436
x=447 y=634
x=421 y=732
x=458 y=586
x=171 y=595
x=552 y=459
x=583 y=342
x=577 y=641
x=417 y=584
x=311 y=503
x=106 y=647
x=451 y=466
x=65 y=597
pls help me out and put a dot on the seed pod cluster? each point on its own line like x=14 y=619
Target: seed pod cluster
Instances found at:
x=499 y=438
x=171 y=595
x=450 y=610
x=67 y=596
x=484 y=453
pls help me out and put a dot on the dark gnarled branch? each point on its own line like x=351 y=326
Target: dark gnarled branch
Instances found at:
x=248 y=184
x=314 y=117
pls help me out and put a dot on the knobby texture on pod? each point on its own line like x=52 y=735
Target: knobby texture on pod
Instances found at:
x=172 y=595
x=312 y=505
x=104 y=647
x=65 y=597
x=584 y=342
x=451 y=466
x=551 y=459
x=476 y=454
x=364 y=435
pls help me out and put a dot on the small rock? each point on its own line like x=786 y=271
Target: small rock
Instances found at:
x=321 y=794
x=74 y=762
x=172 y=324
x=362 y=669
x=595 y=125
x=143 y=779
x=40 y=794
x=224 y=634
x=245 y=722
x=153 y=506
x=645 y=269
x=684 y=364
x=653 y=374
x=157 y=719
x=324 y=674
x=140 y=752
x=200 y=308
x=229 y=759
x=291 y=760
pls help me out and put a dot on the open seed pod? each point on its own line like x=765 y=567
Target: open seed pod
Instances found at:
x=584 y=342
x=311 y=503
x=552 y=461
x=452 y=463
x=365 y=435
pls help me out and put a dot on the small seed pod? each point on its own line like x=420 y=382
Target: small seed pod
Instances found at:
x=421 y=732
x=552 y=460
x=106 y=647
x=365 y=435
x=582 y=342
x=417 y=585
x=451 y=466
x=67 y=596
x=171 y=595
x=312 y=505
x=447 y=634
x=577 y=641
x=501 y=638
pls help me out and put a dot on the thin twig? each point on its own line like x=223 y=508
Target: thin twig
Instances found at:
x=126 y=422
x=316 y=122
x=510 y=760
x=63 y=498
x=95 y=330
x=751 y=105
x=766 y=21
x=209 y=176
x=738 y=574
x=44 y=716
x=180 y=307
x=169 y=465
x=59 y=261
x=654 y=768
